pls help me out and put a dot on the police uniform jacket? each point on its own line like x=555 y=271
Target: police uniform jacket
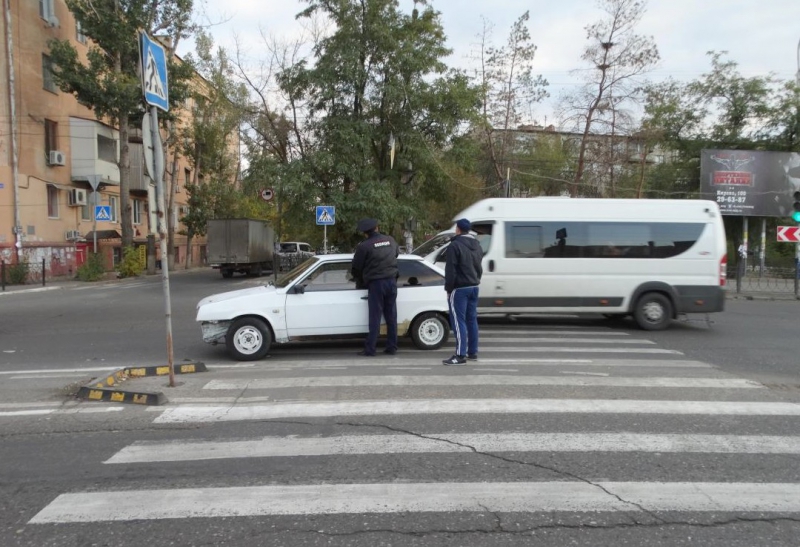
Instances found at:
x=375 y=258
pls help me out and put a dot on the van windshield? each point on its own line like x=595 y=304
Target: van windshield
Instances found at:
x=433 y=243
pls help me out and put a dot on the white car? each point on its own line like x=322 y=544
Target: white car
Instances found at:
x=319 y=299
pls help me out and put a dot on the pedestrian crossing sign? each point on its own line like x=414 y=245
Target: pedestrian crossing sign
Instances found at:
x=154 y=73
x=102 y=212
x=326 y=215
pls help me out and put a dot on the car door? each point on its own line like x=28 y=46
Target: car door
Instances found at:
x=419 y=288
x=326 y=302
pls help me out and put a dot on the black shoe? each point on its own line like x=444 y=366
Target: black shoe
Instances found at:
x=364 y=353
x=390 y=351
x=472 y=357
x=455 y=360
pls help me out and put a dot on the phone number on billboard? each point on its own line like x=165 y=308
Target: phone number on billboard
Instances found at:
x=731 y=199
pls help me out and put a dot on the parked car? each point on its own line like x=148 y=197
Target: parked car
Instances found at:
x=319 y=299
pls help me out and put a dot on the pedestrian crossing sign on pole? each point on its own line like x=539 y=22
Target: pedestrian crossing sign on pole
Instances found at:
x=102 y=212
x=154 y=73
x=326 y=215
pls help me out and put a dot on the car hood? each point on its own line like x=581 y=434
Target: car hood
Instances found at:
x=242 y=294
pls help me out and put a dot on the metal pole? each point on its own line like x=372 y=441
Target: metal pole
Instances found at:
x=158 y=156
x=762 y=250
x=94 y=214
x=325 y=239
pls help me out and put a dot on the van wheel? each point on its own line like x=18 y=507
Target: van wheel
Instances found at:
x=248 y=339
x=430 y=331
x=653 y=311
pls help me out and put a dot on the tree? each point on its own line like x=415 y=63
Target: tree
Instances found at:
x=508 y=91
x=109 y=83
x=619 y=58
x=210 y=141
x=377 y=78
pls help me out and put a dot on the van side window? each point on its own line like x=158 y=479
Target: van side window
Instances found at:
x=594 y=239
x=523 y=240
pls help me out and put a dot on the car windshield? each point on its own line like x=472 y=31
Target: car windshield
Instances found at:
x=287 y=278
x=433 y=243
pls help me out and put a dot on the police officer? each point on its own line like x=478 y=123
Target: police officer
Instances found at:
x=375 y=268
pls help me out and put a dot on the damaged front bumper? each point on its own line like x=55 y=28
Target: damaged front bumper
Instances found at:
x=214 y=331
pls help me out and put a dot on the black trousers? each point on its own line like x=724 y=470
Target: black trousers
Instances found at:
x=382 y=298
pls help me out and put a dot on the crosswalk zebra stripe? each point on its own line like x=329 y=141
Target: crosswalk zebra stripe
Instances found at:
x=420 y=497
x=562 y=349
x=274 y=447
x=424 y=360
x=481 y=380
x=539 y=339
x=193 y=414
x=584 y=332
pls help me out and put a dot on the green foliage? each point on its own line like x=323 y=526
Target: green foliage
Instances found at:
x=132 y=263
x=16 y=274
x=93 y=269
x=378 y=78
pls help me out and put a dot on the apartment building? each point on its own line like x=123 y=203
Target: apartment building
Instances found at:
x=54 y=152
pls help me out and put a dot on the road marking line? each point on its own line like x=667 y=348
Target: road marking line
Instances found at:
x=279 y=447
x=481 y=380
x=487 y=333
x=537 y=340
x=40 y=376
x=327 y=409
x=40 y=412
x=180 y=503
x=59 y=370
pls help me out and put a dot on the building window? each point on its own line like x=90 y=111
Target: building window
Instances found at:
x=52 y=201
x=86 y=210
x=48 y=81
x=112 y=201
x=106 y=149
x=79 y=35
x=50 y=136
x=46 y=9
x=137 y=211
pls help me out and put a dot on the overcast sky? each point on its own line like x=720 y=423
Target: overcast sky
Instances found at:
x=761 y=35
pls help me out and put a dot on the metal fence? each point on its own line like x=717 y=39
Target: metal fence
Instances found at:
x=23 y=273
x=767 y=279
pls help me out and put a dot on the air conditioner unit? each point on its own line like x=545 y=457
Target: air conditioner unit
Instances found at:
x=77 y=197
x=56 y=157
x=53 y=21
x=73 y=235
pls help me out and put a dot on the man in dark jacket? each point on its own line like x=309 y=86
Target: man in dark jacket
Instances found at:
x=375 y=268
x=463 y=273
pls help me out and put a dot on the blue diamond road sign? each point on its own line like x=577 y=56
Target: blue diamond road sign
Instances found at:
x=154 y=73
x=102 y=212
x=326 y=215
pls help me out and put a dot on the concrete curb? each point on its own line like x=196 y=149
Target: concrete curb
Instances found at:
x=106 y=388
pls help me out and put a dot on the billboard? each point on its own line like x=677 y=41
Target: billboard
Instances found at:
x=749 y=182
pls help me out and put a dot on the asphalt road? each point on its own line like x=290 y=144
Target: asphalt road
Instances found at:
x=568 y=431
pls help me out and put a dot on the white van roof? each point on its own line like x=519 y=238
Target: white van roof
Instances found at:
x=559 y=208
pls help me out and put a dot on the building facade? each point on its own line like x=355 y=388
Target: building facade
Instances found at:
x=54 y=154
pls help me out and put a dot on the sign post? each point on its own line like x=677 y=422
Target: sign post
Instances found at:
x=326 y=216
x=156 y=94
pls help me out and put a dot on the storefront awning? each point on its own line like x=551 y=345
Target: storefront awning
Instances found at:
x=103 y=234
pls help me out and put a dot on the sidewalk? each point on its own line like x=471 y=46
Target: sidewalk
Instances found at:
x=59 y=283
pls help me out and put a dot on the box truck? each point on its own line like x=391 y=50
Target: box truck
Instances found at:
x=240 y=245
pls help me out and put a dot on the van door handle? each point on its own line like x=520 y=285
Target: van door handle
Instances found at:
x=491 y=265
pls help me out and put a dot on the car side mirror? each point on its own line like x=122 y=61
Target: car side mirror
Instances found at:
x=299 y=289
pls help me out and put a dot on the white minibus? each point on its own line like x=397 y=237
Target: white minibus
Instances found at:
x=652 y=259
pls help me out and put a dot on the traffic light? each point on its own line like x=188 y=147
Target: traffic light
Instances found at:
x=796 y=207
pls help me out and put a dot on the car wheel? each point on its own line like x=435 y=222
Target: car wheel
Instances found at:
x=653 y=311
x=248 y=339
x=430 y=330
